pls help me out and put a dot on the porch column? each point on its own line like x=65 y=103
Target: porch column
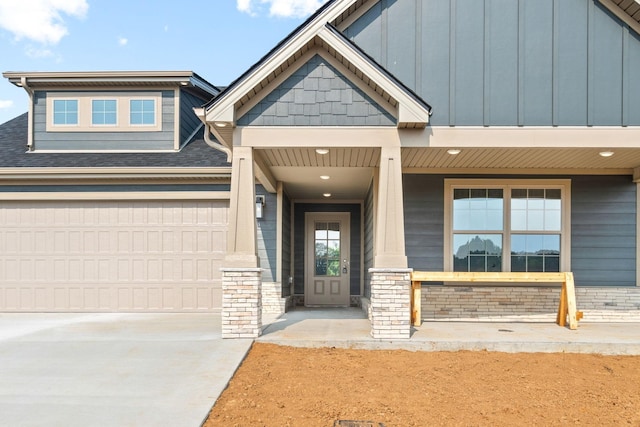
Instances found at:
x=241 y=275
x=390 y=277
x=389 y=242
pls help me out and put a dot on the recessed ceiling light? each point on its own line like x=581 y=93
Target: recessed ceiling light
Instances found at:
x=606 y=153
x=325 y=177
x=221 y=124
x=453 y=151
x=326 y=194
x=322 y=151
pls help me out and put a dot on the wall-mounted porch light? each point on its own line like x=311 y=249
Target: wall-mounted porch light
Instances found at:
x=260 y=202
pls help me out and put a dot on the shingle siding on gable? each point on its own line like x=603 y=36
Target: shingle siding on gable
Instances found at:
x=163 y=140
x=317 y=95
x=509 y=62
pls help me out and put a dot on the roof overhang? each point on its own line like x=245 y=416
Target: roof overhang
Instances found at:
x=170 y=79
x=627 y=10
x=317 y=35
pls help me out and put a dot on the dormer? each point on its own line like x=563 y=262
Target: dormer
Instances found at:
x=112 y=111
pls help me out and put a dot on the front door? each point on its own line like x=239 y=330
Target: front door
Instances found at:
x=327 y=267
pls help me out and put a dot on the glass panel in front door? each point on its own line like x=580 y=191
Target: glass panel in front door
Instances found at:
x=327 y=244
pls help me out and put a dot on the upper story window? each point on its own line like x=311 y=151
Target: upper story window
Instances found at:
x=142 y=112
x=104 y=112
x=100 y=111
x=65 y=112
x=518 y=225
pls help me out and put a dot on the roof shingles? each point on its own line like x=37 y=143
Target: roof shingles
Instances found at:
x=13 y=143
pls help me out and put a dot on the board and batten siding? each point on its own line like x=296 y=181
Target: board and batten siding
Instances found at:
x=317 y=95
x=509 y=62
x=153 y=140
x=603 y=226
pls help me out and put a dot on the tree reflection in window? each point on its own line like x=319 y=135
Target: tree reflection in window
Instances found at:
x=327 y=246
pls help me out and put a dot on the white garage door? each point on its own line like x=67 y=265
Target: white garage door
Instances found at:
x=112 y=255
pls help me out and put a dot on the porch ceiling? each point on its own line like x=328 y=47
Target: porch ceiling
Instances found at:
x=351 y=169
x=624 y=160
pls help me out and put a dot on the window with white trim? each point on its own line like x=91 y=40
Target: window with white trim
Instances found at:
x=65 y=112
x=142 y=112
x=99 y=111
x=497 y=225
x=104 y=112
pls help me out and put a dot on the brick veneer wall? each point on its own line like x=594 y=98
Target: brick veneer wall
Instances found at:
x=527 y=303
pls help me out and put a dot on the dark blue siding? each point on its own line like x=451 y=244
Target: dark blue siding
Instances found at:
x=317 y=95
x=267 y=229
x=603 y=226
x=286 y=245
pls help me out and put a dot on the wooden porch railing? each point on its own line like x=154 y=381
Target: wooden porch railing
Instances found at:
x=566 y=307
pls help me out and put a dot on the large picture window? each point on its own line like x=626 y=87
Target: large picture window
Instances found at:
x=520 y=225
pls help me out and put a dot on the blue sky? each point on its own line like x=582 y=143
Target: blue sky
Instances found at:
x=218 y=39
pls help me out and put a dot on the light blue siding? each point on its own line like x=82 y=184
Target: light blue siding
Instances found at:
x=467 y=69
x=156 y=140
x=317 y=95
x=509 y=62
x=535 y=105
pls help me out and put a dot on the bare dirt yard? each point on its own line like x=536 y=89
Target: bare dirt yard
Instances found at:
x=287 y=386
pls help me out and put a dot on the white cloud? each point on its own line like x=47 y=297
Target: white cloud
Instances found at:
x=280 y=8
x=122 y=41
x=35 y=53
x=6 y=103
x=39 y=20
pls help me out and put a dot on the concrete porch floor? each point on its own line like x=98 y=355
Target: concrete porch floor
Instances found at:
x=349 y=328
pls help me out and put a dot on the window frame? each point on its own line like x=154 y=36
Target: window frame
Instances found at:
x=66 y=126
x=564 y=185
x=155 y=111
x=85 y=111
x=93 y=124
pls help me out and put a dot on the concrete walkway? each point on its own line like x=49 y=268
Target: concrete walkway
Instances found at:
x=113 y=369
x=348 y=328
x=169 y=369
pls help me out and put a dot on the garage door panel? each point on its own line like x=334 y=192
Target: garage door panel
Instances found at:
x=111 y=256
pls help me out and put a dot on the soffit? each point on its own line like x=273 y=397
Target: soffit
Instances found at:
x=627 y=10
x=587 y=159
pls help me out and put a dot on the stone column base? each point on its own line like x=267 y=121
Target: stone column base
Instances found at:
x=241 y=302
x=390 y=303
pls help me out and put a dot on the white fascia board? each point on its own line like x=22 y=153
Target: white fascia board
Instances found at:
x=409 y=111
x=227 y=104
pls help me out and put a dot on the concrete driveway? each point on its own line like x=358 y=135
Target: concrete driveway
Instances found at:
x=113 y=369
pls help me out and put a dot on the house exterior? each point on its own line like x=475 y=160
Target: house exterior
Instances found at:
x=380 y=137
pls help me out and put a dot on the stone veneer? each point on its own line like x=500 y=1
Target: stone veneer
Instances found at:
x=241 y=302
x=390 y=303
x=272 y=300
x=526 y=303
